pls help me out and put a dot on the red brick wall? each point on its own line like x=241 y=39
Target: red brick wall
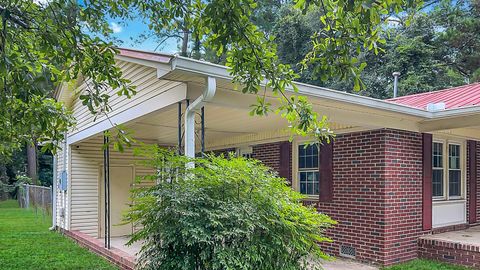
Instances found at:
x=377 y=186
x=358 y=192
x=269 y=154
x=403 y=191
x=377 y=195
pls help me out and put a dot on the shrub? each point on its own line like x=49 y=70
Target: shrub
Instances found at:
x=223 y=213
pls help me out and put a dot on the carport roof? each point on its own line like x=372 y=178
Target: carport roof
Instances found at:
x=458 y=100
x=461 y=101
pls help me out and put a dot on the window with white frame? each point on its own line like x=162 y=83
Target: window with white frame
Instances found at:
x=447 y=170
x=437 y=172
x=308 y=175
x=454 y=171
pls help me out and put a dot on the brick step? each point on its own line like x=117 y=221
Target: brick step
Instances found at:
x=116 y=256
x=449 y=250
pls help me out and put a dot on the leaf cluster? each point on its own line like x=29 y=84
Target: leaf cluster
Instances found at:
x=222 y=213
x=41 y=46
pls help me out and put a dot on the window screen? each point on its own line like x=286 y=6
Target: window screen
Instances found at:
x=454 y=170
x=437 y=172
x=308 y=169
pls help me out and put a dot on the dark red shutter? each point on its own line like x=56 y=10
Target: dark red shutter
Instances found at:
x=427 y=181
x=284 y=169
x=472 y=184
x=326 y=172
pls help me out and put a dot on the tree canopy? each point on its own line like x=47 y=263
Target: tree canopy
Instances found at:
x=45 y=43
x=436 y=49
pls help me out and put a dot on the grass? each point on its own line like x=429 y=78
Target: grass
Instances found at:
x=26 y=243
x=420 y=264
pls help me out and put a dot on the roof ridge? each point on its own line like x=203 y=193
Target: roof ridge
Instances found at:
x=145 y=51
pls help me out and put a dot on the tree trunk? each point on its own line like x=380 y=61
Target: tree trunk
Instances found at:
x=184 y=51
x=32 y=163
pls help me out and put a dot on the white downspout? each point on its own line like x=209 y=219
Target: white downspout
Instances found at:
x=196 y=105
x=54 y=193
x=64 y=178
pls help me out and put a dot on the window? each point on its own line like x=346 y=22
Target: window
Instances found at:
x=437 y=172
x=454 y=171
x=447 y=170
x=308 y=169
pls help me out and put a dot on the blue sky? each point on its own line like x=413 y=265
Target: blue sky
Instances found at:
x=126 y=31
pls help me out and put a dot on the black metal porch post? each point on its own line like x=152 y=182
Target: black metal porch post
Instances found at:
x=180 y=128
x=106 y=173
x=203 y=130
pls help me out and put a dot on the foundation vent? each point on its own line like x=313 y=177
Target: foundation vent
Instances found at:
x=347 y=251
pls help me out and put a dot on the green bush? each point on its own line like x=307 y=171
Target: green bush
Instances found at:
x=223 y=213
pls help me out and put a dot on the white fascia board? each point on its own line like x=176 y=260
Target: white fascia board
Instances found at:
x=218 y=71
x=200 y=67
x=335 y=95
x=452 y=119
x=471 y=110
x=172 y=96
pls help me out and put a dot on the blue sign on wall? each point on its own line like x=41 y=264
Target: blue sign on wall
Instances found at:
x=63 y=181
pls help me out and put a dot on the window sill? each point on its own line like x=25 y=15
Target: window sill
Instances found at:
x=311 y=198
x=451 y=200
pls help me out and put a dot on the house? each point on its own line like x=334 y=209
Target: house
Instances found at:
x=400 y=173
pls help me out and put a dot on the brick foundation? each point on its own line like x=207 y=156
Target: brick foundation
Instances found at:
x=451 y=252
x=114 y=255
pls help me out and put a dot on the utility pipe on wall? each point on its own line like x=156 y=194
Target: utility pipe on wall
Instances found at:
x=196 y=105
x=63 y=186
x=54 y=193
x=395 y=83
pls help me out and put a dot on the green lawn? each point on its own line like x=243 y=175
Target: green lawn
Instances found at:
x=26 y=243
x=425 y=265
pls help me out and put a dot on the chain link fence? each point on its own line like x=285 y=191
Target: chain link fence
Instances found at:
x=36 y=197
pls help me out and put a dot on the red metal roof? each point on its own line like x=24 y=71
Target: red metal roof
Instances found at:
x=456 y=97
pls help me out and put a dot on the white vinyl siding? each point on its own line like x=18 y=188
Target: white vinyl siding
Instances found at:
x=87 y=160
x=61 y=196
x=147 y=86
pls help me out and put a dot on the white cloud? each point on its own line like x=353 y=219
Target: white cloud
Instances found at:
x=116 y=28
x=41 y=2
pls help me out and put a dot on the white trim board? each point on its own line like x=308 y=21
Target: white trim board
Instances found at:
x=169 y=97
